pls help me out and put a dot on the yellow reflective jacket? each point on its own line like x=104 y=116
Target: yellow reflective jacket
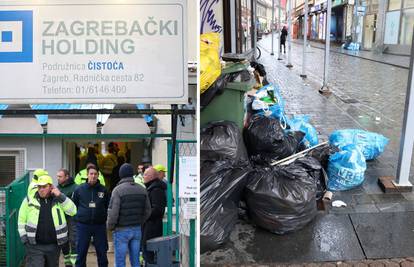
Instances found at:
x=29 y=217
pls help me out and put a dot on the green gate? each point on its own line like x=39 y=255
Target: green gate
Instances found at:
x=11 y=196
x=178 y=224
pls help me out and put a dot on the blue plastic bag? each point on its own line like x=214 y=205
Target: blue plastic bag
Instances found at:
x=301 y=123
x=346 y=168
x=371 y=144
x=276 y=110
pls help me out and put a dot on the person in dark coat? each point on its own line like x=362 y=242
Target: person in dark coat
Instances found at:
x=283 y=37
x=92 y=201
x=129 y=208
x=157 y=194
x=67 y=186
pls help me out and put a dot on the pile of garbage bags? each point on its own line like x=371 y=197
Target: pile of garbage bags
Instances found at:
x=276 y=166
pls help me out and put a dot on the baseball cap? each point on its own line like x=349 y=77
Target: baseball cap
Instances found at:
x=44 y=180
x=160 y=167
x=39 y=172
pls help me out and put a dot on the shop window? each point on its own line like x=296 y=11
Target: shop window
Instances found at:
x=394 y=4
x=407 y=24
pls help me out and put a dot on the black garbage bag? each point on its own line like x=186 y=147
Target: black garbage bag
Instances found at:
x=282 y=199
x=221 y=189
x=222 y=140
x=322 y=154
x=266 y=141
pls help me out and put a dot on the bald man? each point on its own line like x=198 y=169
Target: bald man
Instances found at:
x=157 y=194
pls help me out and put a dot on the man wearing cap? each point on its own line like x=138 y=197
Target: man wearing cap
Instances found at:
x=32 y=189
x=42 y=225
x=161 y=170
x=92 y=200
x=157 y=194
x=128 y=209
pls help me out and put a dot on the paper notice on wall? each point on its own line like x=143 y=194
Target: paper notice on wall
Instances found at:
x=188 y=182
x=190 y=210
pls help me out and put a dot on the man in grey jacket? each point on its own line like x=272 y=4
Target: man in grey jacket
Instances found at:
x=129 y=208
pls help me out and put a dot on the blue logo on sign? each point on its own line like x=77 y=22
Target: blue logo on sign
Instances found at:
x=16 y=36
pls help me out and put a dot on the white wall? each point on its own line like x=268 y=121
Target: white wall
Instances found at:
x=34 y=152
x=192 y=30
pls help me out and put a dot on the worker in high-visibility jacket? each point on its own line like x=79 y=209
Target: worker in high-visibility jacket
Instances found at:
x=32 y=189
x=42 y=225
x=82 y=176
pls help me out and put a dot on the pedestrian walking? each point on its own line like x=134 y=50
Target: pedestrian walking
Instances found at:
x=283 y=37
x=41 y=224
x=157 y=195
x=129 y=208
x=67 y=185
x=92 y=200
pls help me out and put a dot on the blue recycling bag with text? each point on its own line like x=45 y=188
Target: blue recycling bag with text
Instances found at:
x=346 y=169
x=371 y=144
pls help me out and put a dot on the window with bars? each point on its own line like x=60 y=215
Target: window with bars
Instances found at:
x=11 y=166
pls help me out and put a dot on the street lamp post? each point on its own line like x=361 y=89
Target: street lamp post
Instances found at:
x=305 y=35
x=289 y=64
x=325 y=89
x=407 y=135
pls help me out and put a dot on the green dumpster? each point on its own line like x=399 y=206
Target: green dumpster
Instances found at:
x=228 y=105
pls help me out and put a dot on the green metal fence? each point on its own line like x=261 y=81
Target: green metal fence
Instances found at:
x=11 y=196
x=180 y=224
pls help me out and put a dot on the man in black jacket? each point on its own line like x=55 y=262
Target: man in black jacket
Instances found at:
x=67 y=185
x=92 y=200
x=128 y=209
x=153 y=226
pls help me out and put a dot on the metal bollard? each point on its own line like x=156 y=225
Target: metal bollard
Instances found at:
x=163 y=247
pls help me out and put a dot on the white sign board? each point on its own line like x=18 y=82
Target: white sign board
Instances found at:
x=188 y=183
x=392 y=27
x=91 y=51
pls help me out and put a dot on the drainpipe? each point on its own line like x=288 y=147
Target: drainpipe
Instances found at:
x=43 y=153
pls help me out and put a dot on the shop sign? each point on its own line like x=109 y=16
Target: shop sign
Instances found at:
x=90 y=51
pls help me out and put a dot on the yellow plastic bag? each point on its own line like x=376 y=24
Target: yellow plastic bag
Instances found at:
x=210 y=67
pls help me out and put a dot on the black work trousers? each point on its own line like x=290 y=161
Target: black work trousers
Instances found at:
x=42 y=255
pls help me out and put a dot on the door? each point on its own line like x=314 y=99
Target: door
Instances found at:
x=369 y=31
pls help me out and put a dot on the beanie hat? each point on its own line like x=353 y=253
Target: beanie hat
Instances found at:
x=126 y=170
